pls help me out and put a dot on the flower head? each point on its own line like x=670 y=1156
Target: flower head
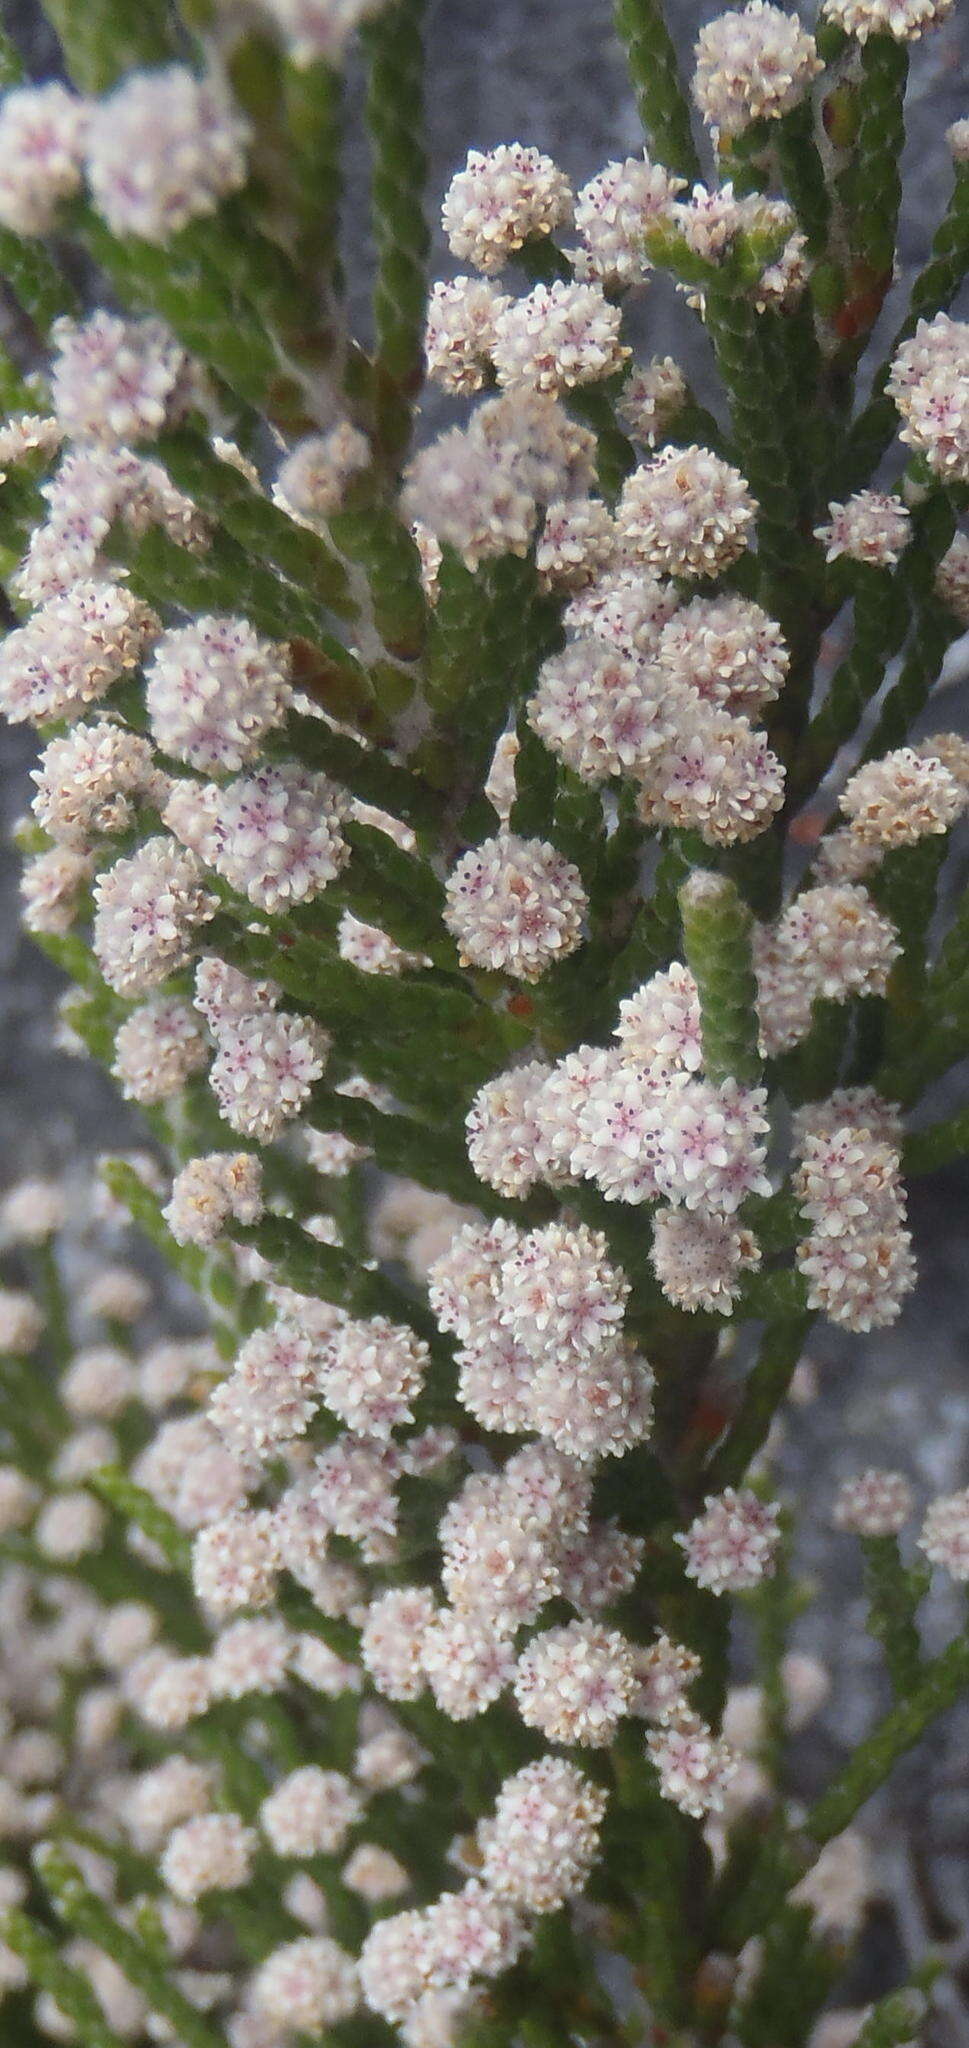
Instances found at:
x=214 y=689
x=576 y=1683
x=871 y=527
x=41 y=139
x=945 y=1534
x=752 y=65
x=731 y=1546
x=162 y=149
x=499 y=200
x=873 y=1503
x=515 y=904
x=541 y=1843
x=686 y=513
x=906 y=20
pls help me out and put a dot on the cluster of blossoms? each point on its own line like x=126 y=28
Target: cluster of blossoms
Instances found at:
x=640 y=1120
x=752 y=65
x=662 y=693
x=539 y=1320
x=928 y=383
x=431 y=827
x=857 y=1256
x=685 y=514
x=273 y=835
x=509 y=1542
x=831 y=943
x=160 y=150
x=649 y=687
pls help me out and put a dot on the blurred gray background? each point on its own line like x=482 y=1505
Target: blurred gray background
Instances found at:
x=550 y=72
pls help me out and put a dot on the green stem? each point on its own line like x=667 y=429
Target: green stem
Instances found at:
x=89 y=1917
x=104 y=40
x=268 y=536
x=402 y=1145
x=881 y=139
x=896 y=2020
x=933 y=291
x=365 y=770
x=717 y=927
x=803 y=174
x=383 y=548
x=54 y=1303
x=939 y=1687
x=395 y=116
x=766 y=1387
x=870 y=188
x=68 y=1987
x=772 y=1605
x=880 y=621
x=663 y=110
x=757 y=411
x=313 y=103
x=934 y=631
x=784 y=1859
x=937 y=1145
x=893 y=1597
x=133 y=1504
x=615 y=455
x=230 y=1302
x=795 y=1976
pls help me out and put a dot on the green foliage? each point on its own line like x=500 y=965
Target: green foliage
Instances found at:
x=88 y=1915
x=894 y=1593
x=41 y=1953
x=716 y=937
x=653 y=69
x=394 y=118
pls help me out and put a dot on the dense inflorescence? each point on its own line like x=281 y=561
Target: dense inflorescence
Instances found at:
x=504 y=871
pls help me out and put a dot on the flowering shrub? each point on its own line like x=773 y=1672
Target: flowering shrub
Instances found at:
x=527 y=948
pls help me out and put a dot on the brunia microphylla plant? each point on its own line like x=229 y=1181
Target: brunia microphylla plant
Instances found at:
x=528 y=951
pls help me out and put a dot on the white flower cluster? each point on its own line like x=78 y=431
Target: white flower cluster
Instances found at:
x=500 y=200
x=266 y=1059
x=753 y=65
x=209 y=1190
x=905 y=20
x=903 y=797
x=731 y=1546
x=71 y=651
x=929 y=382
x=91 y=781
x=148 y=908
x=558 y=336
x=274 y=835
x=640 y=1121
x=312 y=481
x=612 y=214
x=161 y=149
x=539 y=1320
x=434 y=1515
x=367 y=1372
x=214 y=689
x=157 y=1048
x=871 y=527
x=665 y=695
x=857 y=1258
x=831 y=943
x=98 y=482
x=515 y=904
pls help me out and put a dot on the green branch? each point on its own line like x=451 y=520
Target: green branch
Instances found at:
x=717 y=928
x=663 y=109
x=395 y=117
